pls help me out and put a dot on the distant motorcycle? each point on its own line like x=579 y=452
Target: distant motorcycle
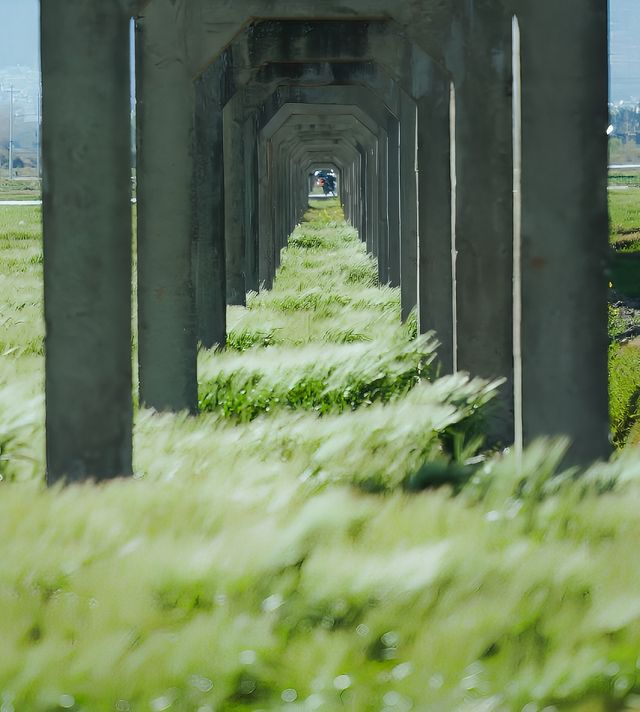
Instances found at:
x=327 y=181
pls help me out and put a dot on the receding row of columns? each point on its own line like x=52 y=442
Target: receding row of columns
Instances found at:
x=475 y=174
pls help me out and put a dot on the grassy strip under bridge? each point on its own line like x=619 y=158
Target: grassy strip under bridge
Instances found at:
x=329 y=534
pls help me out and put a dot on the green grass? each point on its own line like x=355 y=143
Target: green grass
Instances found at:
x=624 y=360
x=624 y=390
x=17 y=189
x=624 y=219
x=622 y=153
x=335 y=551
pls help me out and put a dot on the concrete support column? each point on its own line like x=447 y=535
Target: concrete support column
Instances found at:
x=234 y=181
x=564 y=224
x=266 y=247
x=393 y=174
x=408 y=207
x=251 y=205
x=484 y=210
x=383 y=209
x=359 y=194
x=87 y=239
x=368 y=190
x=166 y=304
x=209 y=212
x=372 y=188
x=435 y=284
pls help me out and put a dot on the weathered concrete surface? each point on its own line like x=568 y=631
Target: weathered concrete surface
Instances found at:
x=234 y=180
x=281 y=115
x=213 y=26
x=87 y=239
x=368 y=34
x=408 y=208
x=251 y=203
x=369 y=107
x=255 y=50
x=563 y=215
x=310 y=127
x=564 y=224
x=166 y=302
x=329 y=144
x=393 y=176
x=435 y=268
x=387 y=90
x=337 y=151
x=209 y=212
x=481 y=64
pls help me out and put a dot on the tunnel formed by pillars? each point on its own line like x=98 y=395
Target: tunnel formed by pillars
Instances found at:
x=469 y=140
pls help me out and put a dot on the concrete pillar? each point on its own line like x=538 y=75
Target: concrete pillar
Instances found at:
x=166 y=304
x=363 y=192
x=393 y=174
x=408 y=207
x=484 y=214
x=266 y=246
x=564 y=224
x=371 y=111
x=435 y=284
x=234 y=180
x=383 y=209
x=87 y=239
x=372 y=191
x=251 y=204
x=209 y=211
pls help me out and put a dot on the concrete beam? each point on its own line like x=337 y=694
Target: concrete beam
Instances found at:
x=212 y=27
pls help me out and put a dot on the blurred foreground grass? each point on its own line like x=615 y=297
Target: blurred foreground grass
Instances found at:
x=326 y=536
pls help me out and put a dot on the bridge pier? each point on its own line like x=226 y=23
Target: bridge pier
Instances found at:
x=167 y=324
x=87 y=240
x=484 y=206
x=435 y=261
x=564 y=224
x=209 y=211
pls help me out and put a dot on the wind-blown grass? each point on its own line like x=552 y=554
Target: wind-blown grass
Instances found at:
x=624 y=390
x=368 y=558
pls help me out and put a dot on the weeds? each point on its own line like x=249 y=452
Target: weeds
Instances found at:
x=624 y=390
x=368 y=558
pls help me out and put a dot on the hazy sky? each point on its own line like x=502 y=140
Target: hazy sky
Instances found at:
x=19 y=41
x=19 y=35
x=625 y=48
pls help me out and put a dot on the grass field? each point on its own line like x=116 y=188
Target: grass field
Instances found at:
x=624 y=359
x=327 y=535
x=19 y=189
